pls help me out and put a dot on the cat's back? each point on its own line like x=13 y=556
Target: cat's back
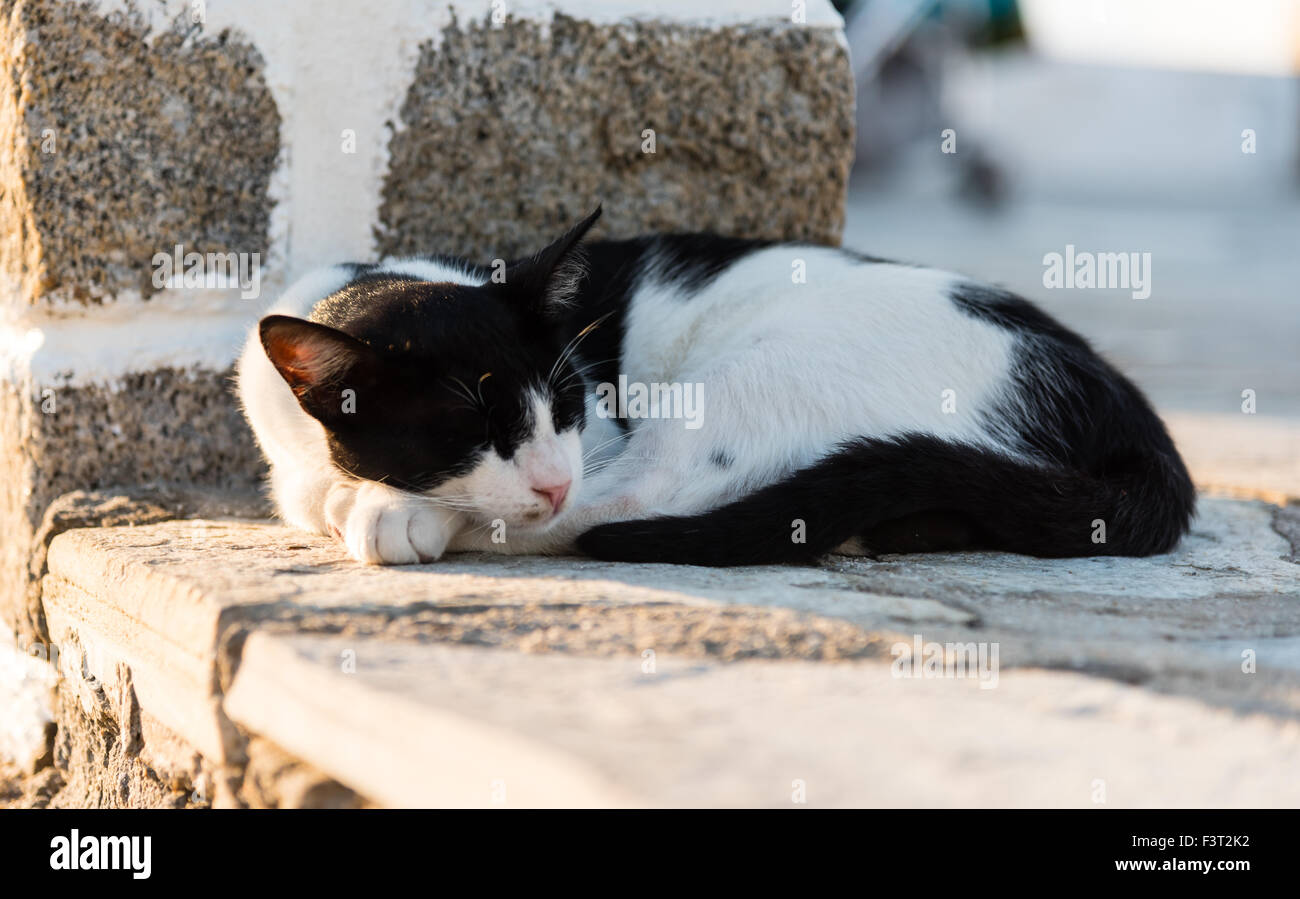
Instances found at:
x=694 y=299
x=684 y=279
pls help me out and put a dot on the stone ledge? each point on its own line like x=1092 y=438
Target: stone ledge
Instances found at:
x=574 y=682
x=132 y=506
x=26 y=673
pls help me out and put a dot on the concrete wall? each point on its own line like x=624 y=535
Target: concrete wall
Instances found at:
x=296 y=134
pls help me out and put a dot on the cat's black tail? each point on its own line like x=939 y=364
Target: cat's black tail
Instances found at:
x=919 y=492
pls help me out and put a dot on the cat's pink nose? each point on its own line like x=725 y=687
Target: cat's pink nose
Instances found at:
x=554 y=495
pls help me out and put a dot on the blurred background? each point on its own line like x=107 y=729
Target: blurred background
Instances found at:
x=1169 y=127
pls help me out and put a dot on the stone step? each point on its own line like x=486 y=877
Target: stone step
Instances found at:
x=435 y=725
x=214 y=644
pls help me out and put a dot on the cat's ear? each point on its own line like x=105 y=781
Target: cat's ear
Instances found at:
x=318 y=363
x=546 y=283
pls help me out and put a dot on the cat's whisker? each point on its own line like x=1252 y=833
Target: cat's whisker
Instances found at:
x=568 y=347
x=573 y=344
x=461 y=502
x=606 y=464
x=604 y=443
x=467 y=395
x=583 y=368
x=581 y=372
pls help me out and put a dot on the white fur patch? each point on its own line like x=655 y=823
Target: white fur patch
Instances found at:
x=503 y=489
x=793 y=369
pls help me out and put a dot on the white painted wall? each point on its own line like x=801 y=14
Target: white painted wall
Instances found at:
x=336 y=65
x=331 y=65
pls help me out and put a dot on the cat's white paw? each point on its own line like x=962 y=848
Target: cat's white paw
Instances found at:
x=383 y=526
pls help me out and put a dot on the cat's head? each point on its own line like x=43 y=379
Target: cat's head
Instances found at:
x=467 y=392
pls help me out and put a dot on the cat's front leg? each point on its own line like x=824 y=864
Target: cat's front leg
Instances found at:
x=383 y=526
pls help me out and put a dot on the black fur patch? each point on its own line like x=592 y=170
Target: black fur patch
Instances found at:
x=614 y=269
x=1006 y=310
x=691 y=262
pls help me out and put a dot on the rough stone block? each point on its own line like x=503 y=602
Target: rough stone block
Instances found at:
x=745 y=129
x=136 y=128
x=163 y=426
x=124 y=142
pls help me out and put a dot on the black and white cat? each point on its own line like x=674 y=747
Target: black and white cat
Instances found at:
x=420 y=406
